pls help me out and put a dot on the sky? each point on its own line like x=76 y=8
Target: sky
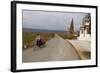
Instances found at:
x=51 y=20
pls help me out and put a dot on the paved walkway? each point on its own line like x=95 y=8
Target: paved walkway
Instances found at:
x=56 y=49
x=83 y=48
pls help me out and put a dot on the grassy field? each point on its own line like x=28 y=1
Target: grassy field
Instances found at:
x=29 y=37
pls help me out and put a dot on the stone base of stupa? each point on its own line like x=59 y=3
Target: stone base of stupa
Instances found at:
x=88 y=38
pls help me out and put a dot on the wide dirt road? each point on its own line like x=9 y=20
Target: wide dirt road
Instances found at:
x=56 y=49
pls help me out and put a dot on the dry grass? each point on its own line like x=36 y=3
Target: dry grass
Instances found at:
x=29 y=37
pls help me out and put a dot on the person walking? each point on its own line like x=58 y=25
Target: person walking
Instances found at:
x=39 y=42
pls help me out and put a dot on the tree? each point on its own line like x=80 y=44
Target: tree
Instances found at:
x=90 y=24
x=71 y=33
x=71 y=29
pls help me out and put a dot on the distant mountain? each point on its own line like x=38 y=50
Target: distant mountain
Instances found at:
x=41 y=30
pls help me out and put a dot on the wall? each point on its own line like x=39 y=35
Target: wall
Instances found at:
x=5 y=36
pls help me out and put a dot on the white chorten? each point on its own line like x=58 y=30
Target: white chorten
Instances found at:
x=85 y=30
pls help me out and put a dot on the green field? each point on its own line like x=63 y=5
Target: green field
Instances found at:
x=28 y=38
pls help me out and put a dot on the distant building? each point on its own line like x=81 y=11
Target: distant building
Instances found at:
x=85 y=29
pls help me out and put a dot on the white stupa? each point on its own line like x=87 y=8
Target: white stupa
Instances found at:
x=85 y=29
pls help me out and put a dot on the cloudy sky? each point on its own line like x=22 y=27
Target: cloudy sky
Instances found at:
x=51 y=20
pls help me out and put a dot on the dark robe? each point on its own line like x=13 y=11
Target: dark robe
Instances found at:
x=39 y=43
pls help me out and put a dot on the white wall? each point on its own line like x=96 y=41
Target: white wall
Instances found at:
x=5 y=36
